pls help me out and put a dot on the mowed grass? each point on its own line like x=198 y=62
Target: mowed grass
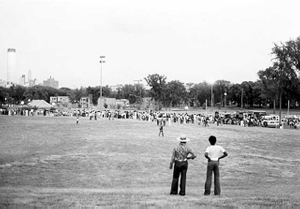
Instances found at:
x=51 y=161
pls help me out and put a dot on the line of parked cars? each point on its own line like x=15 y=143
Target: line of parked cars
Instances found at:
x=272 y=121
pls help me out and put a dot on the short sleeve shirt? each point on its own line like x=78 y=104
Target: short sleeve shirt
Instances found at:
x=214 y=152
x=181 y=152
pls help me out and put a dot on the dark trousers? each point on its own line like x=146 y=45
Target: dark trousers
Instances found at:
x=180 y=169
x=213 y=167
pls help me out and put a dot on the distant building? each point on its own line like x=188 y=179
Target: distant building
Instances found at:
x=12 y=71
x=85 y=102
x=105 y=101
x=32 y=82
x=22 y=81
x=29 y=75
x=51 y=82
x=122 y=102
x=116 y=87
x=2 y=83
x=63 y=101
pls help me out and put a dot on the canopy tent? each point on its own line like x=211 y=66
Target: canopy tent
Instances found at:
x=39 y=104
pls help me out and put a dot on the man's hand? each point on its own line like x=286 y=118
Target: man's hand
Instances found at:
x=192 y=157
x=171 y=165
x=206 y=156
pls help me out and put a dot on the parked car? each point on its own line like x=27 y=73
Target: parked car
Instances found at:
x=273 y=124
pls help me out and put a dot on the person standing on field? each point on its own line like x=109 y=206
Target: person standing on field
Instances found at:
x=77 y=119
x=213 y=153
x=161 y=130
x=180 y=161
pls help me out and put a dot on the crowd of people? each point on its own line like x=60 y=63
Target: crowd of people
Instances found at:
x=165 y=118
x=246 y=120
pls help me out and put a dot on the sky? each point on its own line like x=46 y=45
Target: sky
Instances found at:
x=191 y=41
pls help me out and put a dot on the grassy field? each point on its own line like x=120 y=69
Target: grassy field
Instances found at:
x=52 y=162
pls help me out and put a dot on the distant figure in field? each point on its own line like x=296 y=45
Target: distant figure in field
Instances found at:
x=206 y=119
x=77 y=119
x=213 y=153
x=161 y=130
x=180 y=161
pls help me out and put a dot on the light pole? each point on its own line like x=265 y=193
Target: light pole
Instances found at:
x=211 y=95
x=138 y=81
x=101 y=61
x=225 y=94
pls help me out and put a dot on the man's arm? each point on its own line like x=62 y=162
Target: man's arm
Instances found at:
x=192 y=157
x=172 y=159
x=206 y=155
x=224 y=155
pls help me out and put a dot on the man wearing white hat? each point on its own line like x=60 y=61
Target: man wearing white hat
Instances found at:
x=179 y=159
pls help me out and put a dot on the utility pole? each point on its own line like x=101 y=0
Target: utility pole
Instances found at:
x=101 y=61
x=225 y=94
x=211 y=96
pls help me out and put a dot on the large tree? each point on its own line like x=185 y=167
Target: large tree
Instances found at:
x=220 y=88
x=175 y=94
x=157 y=84
x=269 y=84
x=234 y=94
x=95 y=92
x=287 y=65
x=288 y=53
x=200 y=93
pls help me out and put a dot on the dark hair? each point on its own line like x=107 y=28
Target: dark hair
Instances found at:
x=212 y=140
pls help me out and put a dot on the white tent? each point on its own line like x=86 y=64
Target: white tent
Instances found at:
x=39 y=104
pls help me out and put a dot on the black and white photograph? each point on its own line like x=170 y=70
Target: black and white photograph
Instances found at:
x=150 y=104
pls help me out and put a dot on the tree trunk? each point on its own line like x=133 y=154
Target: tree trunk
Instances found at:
x=274 y=106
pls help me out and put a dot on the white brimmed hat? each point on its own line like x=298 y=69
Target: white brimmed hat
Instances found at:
x=182 y=138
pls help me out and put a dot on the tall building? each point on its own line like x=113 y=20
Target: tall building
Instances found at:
x=12 y=72
x=51 y=82
x=29 y=76
x=33 y=82
x=2 y=83
x=30 y=81
x=22 y=80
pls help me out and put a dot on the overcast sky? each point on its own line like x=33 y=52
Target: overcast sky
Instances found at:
x=189 y=41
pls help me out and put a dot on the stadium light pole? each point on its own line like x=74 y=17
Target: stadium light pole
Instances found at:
x=225 y=94
x=138 y=81
x=211 y=95
x=101 y=61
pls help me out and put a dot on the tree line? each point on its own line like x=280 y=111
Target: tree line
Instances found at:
x=277 y=86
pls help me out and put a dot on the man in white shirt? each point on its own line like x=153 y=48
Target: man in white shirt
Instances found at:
x=213 y=153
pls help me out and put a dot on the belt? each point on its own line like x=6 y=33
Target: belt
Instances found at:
x=181 y=160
